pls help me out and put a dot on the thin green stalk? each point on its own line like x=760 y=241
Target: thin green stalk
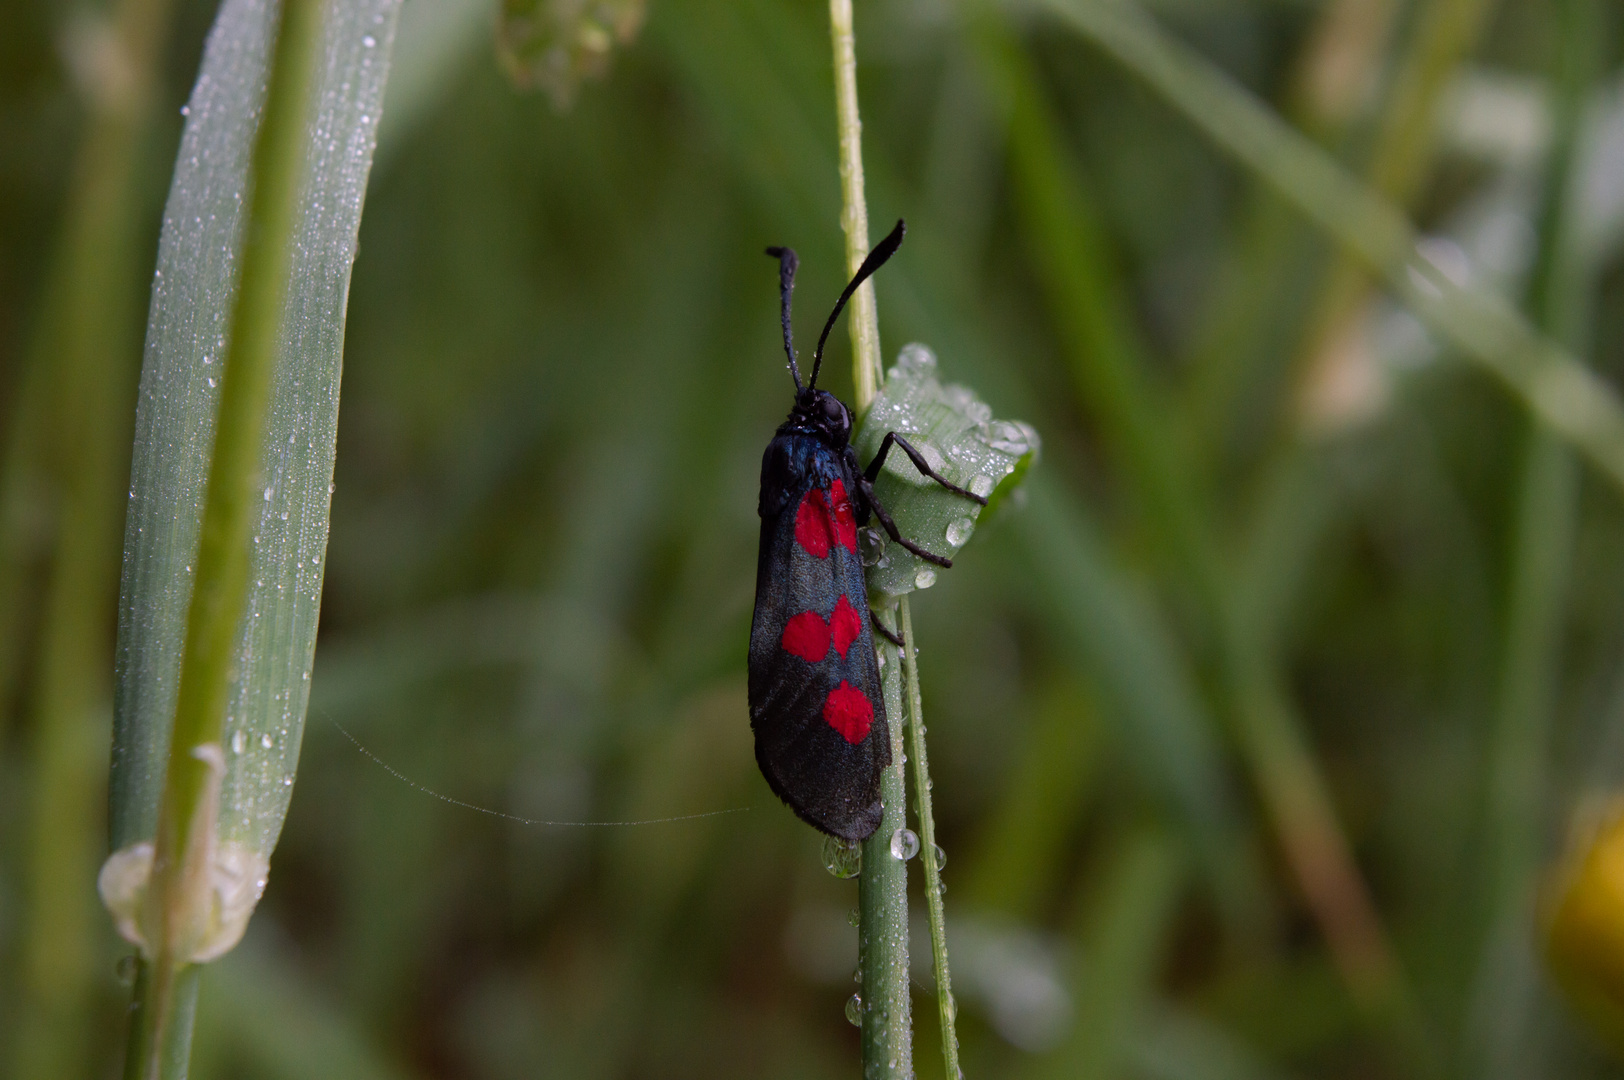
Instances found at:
x=186 y=832
x=928 y=849
x=882 y=905
x=882 y=888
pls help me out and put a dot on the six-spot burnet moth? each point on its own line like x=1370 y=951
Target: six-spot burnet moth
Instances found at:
x=815 y=701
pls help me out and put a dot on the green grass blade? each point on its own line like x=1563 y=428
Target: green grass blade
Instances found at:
x=232 y=471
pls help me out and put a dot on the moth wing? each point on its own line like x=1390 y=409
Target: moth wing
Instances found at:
x=820 y=727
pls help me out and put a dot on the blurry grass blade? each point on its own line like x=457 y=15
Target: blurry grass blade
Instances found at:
x=1576 y=404
x=956 y=433
x=1122 y=939
x=1545 y=521
x=1177 y=1045
x=1022 y=848
x=1116 y=634
x=77 y=395
x=555 y=44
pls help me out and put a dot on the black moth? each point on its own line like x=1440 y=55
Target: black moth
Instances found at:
x=815 y=701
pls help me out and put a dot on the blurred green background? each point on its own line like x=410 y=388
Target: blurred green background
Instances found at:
x=1257 y=723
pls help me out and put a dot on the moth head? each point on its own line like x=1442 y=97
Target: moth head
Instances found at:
x=827 y=413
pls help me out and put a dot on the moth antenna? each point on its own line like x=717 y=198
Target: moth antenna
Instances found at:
x=787 y=264
x=876 y=259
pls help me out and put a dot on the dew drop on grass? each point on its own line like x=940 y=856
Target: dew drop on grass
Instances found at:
x=941 y=856
x=1006 y=437
x=959 y=531
x=239 y=742
x=981 y=485
x=126 y=969
x=854 y=917
x=925 y=578
x=870 y=545
x=854 y=1010
x=842 y=858
x=265 y=741
x=904 y=844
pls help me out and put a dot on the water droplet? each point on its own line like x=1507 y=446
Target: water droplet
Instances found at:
x=239 y=742
x=982 y=485
x=904 y=844
x=186 y=110
x=1006 y=437
x=959 y=531
x=854 y=917
x=925 y=578
x=127 y=966
x=916 y=359
x=879 y=656
x=207 y=359
x=268 y=494
x=265 y=741
x=941 y=856
x=870 y=545
x=950 y=1005
x=369 y=41
x=854 y=1010
x=842 y=858
x=978 y=412
x=213 y=382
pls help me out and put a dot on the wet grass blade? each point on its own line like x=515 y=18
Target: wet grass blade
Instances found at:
x=232 y=472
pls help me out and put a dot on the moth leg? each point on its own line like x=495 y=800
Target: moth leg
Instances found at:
x=920 y=463
x=891 y=530
x=895 y=639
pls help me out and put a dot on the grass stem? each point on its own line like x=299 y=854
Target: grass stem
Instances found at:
x=928 y=850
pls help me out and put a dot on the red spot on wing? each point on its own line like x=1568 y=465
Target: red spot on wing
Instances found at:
x=845 y=525
x=813 y=529
x=849 y=712
x=806 y=635
x=844 y=624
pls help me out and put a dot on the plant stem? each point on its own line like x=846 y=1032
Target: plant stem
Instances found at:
x=864 y=320
x=882 y=906
x=184 y=841
x=928 y=849
x=882 y=888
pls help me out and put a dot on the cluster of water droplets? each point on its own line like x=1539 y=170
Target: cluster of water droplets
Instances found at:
x=957 y=436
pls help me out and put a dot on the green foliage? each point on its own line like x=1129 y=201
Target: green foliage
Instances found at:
x=1404 y=552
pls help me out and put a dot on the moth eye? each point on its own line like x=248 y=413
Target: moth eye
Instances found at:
x=832 y=409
